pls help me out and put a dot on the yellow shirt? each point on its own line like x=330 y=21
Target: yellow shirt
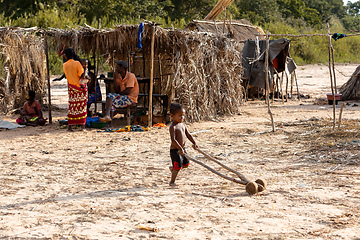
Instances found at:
x=73 y=70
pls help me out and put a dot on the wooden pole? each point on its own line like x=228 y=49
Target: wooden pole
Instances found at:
x=297 y=86
x=151 y=75
x=292 y=84
x=333 y=68
x=331 y=78
x=341 y=111
x=48 y=74
x=224 y=19
x=287 y=84
x=96 y=57
x=267 y=81
x=281 y=86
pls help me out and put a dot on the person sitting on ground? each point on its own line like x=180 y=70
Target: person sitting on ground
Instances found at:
x=91 y=86
x=31 y=114
x=126 y=90
x=178 y=135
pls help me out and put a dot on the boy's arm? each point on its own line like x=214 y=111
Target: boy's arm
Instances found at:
x=174 y=142
x=190 y=137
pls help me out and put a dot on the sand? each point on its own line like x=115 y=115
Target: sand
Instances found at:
x=100 y=185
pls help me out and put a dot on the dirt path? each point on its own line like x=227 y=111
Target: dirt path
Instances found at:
x=100 y=185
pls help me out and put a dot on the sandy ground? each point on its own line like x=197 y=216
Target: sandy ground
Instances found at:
x=100 y=185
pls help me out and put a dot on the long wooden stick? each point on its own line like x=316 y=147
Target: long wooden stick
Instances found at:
x=151 y=75
x=331 y=78
x=241 y=176
x=333 y=68
x=281 y=86
x=302 y=35
x=297 y=86
x=48 y=74
x=214 y=171
x=341 y=111
x=267 y=82
x=287 y=85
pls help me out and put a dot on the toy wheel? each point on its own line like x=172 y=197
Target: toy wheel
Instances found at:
x=262 y=184
x=251 y=188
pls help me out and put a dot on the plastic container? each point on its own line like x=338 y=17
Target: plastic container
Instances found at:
x=98 y=124
x=330 y=98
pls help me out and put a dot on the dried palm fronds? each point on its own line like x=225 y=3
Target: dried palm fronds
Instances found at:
x=23 y=59
x=351 y=89
x=203 y=69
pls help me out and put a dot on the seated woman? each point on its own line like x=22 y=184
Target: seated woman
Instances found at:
x=92 y=84
x=31 y=114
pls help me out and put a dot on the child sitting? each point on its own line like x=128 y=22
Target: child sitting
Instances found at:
x=178 y=135
x=31 y=114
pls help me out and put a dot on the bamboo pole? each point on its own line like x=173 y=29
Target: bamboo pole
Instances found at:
x=331 y=78
x=151 y=75
x=267 y=81
x=48 y=74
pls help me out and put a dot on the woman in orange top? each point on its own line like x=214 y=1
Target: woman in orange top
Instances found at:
x=77 y=90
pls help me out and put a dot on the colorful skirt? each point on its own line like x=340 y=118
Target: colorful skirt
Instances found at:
x=77 y=105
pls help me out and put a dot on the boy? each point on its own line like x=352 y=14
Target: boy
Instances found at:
x=178 y=134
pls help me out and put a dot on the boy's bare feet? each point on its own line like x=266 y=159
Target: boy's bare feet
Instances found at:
x=172 y=184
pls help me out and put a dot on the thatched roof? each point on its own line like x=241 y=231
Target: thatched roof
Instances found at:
x=202 y=71
x=240 y=30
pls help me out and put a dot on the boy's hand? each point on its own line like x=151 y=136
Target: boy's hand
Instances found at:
x=181 y=152
x=195 y=146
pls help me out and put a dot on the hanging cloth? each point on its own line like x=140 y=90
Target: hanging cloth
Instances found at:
x=141 y=28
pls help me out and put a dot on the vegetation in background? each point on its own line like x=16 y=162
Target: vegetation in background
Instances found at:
x=277 y=16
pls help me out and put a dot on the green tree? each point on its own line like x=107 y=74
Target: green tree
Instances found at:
x=189 y=9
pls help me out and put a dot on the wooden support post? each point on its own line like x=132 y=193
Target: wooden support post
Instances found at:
x=333 y=67
x=297 y=86
x=331 y=78
x=224 y=19
x=287 y=84
x=96 y=59
x=267 y=81
x=151 y=75
x=292 y=84
x=341 y=111
x=48 y=74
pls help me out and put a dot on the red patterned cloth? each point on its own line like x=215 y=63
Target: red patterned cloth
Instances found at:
x=77 y=105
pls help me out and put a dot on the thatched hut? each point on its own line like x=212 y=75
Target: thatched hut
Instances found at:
x=22 y=63
x=200 y=70
x=351 y=89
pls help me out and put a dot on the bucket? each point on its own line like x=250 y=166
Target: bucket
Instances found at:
x=330 y=98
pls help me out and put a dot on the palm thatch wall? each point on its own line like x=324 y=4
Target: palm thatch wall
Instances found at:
x=202 y=71
x=22 y=61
